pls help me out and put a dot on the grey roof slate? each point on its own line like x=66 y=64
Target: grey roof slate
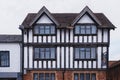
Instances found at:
x=67 y=18
x=10 y=38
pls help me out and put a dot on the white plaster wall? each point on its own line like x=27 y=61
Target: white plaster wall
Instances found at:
x=14 y=49
x=85 y=19
x=44 y=19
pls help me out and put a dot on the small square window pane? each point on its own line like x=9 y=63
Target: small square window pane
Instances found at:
x=41 y=30
x=93 y=56
x=35 y=76
x=4 y=58
x=53 y=53
x=77 y=29
x=82 y=53
x=42 y=55
x=88 y=29
x=81 y=76
x=41 y=77
x=52 y=29
x=82 y=29
x=36 y=29
x=47 y=76
x=77 y=53
x=87 y=76
x=47 y=29
x=93 y=29
x=76 y=76
x=36 y=54
x=87 y=53
x=47 y=55
x=93 y=76
x=52 y=76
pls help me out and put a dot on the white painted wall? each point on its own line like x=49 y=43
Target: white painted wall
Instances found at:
x=44 y=19
x=85 y=19
x=14 y=49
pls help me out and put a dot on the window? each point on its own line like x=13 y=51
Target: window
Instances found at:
x=43 y=76
x=84 y=76
x=85 y=53
x=4 y=58
x=85 y=29
x=44 y=53
x=44 y=29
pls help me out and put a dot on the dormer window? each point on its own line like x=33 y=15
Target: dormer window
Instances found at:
x=44 y=29
x=85 y=29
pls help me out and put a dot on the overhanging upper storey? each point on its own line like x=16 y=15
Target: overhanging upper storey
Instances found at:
x=67 y=20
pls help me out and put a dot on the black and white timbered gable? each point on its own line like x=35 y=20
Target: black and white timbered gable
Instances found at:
x=66 y=40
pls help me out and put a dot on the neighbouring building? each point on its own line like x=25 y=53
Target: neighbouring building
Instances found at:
x=114 y=70
x=57 y=46
x=10 y=57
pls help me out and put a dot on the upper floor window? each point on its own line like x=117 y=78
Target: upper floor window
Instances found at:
x=44 y=76
x=85 y=76
x=44 y=53
x=44 y=29
x=85 y=53
x=85 y=29
x=4 y=58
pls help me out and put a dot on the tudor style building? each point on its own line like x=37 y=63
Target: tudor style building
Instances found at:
x=65 y=46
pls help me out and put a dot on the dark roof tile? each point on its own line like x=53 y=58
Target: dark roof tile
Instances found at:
x=10 y=38
x=65 y=19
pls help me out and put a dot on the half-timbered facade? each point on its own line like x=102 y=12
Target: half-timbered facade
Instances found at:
x=62 y=46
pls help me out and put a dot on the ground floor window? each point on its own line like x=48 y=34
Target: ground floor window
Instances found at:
x=44 y=76
x=84 y=76
x=4 y=59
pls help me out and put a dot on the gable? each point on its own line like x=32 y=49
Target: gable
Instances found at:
x=44 y=19
x=82 y=13
x=85 y=19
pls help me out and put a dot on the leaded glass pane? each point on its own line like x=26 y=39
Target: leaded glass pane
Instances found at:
x=82 y=29
x=87 y=53
x=77 y=29
x=93 y=76
x=42 y=53
x=81 y=76
x=47 y=77
x=36 y=29
x=36 y=53
x=53 y=53
x=93 y=29
x=47 y=53
x=4 y=58
x=93 y=56
x=77 y=53
x=41 y=76
x=87 y=76
x=52 y=76
x=82 y=53
x=41 y=29
x=47 y=29
x=52 y=29
x=76 y=76
x=88 y=29
x=35 y=76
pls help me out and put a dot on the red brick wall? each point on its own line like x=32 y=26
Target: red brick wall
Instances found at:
x=68 y=75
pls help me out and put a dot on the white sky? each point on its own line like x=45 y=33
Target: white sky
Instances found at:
x=13 y=12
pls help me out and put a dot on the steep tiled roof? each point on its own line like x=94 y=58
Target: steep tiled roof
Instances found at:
x=65 y=19
x=10 y=38
x=114 y=63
